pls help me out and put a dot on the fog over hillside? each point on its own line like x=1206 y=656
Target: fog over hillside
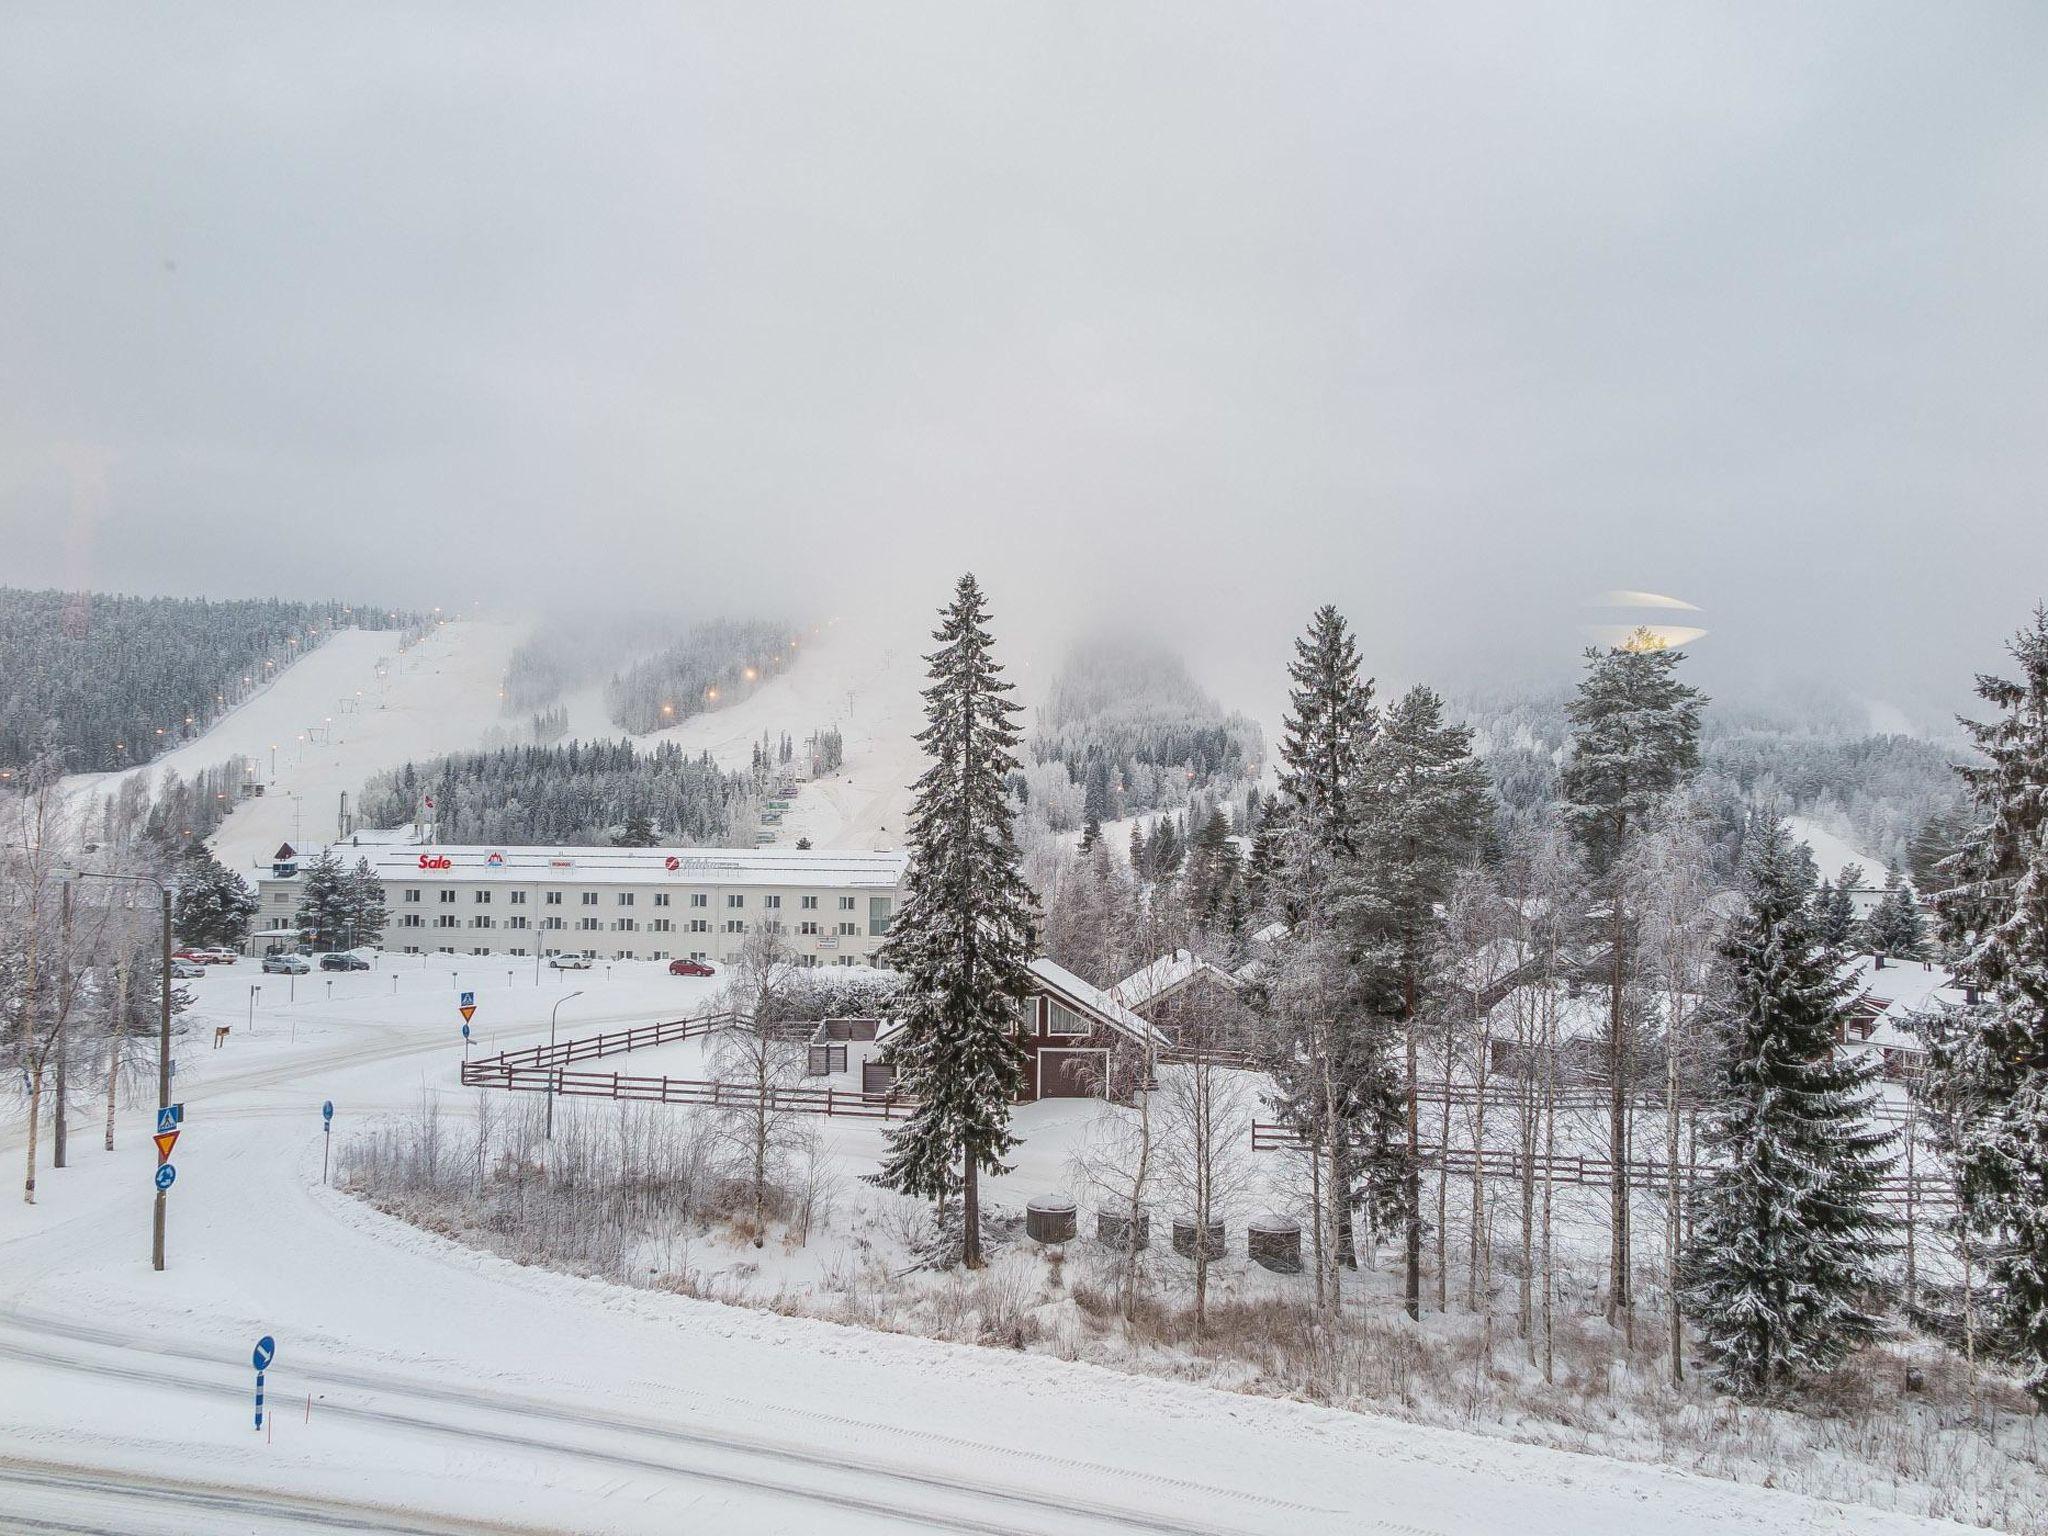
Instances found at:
x=1450 y=316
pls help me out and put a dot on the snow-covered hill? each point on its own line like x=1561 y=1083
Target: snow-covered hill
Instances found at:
x=352 y=707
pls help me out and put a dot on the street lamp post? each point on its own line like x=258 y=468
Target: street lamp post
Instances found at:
x=163 y=1041
x=554 y=1014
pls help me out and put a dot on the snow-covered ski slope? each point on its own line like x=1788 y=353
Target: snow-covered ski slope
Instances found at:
x=352 y=707
x=423 y=1386
x=356 y=706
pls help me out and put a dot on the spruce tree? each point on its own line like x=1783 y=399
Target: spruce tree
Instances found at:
x=1424 y=802
x=367 y=914
x=1894 y=926
x=638 y=832
x=1329 y=722
x=1091 y=833
x=1991 y=1063
x=1784 y=1264
x=324 y=900
x=964 y=936
x=215 y=905
x=1635 y=738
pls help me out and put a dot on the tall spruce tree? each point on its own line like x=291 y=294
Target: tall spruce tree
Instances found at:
x=1330 y=1040
x=1991 y=1063
x=324 y=900
x=1423 y=802
x=1894 y=926
x=1784 y=1263
x=215 y=905
x=1635 y=738
x=964 y=937
x=364 y=906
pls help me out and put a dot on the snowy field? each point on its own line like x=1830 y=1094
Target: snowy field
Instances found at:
x=424 y=1386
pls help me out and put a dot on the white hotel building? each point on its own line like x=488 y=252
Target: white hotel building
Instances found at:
x=833 y=908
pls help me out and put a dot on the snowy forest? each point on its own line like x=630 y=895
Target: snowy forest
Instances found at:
x=580 y=792
x=111 y=681
x=712 y=665
x=1126 y=730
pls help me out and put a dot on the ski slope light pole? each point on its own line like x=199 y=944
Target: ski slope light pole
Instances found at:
x=553 y=1015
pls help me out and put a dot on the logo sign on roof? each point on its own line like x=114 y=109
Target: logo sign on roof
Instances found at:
x=561 y=863
x=494 y=860
x=671 y=863
x=434 y=861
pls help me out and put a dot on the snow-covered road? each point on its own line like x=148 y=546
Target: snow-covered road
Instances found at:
x=424 y=1386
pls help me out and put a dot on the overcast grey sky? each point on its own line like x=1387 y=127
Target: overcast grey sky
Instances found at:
x=1449 y=314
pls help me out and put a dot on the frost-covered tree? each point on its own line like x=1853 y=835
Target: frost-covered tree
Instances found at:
x=1635 y=738
x=1422 y=802
x=1329 y=723
x=963 y=938
x=638 y=832
x=1991 y=1064
x=215 y=905
x=1894 y=926
x=364 y=912
x=326 y=898
x=1785 y=1258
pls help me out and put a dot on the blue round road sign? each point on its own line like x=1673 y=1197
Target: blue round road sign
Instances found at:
x=465 y=1031
x=166 y=1176
x=265 y=1352
x=327 y=1109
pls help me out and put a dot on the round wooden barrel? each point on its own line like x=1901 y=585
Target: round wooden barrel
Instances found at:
x=1274 y=1242
x=1213 y=1244
x=1050 y=1221
x=1113 y=1229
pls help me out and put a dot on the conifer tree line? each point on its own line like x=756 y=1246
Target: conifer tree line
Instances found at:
x=573 y=793
x=109 y=681
x=712 y=665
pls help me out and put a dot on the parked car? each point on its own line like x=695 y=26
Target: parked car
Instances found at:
x=689 y=968
x=186 y=970
x=566 y=962
x=217 y=956
x=342 y=960
x=285 y=965
x=189 y=956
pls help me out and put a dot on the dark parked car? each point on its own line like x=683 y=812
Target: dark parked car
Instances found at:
x=341 y=960
x=689 y=968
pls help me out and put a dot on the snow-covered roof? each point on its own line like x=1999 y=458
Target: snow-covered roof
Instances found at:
x=1064 y=984
x=1167 y=974
x=1897 y=993
x=416 y=864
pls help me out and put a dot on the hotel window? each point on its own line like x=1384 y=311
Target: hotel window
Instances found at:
x=807 y=926
x=551 y=898
x=848 y=930
x=772 y=903
x=517 y=898
x=846 y=903
x=447 y=898
x=625 y=899
x=412 y=893
x=481 y=898
x=736 y=925
x=410 y=920
x=880 y=910
x=700 y=899
x=588 y=924
x=660 y=900
x=554 y=923
x=810 y=903
x=515 y=922
x=481 y=922
x=700 y=925
x=626 y=925
x=590 y=898
x=736 y=901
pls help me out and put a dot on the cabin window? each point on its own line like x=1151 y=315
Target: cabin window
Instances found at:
x=1062 y=1020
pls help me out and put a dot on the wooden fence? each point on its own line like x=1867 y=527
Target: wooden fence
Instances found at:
x=1918 y=1192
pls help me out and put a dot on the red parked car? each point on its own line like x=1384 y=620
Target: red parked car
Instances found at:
x=689 y=968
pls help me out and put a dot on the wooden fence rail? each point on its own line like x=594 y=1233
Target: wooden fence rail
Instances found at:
x=1562 y=1168
x=684 y=1090
x=587 y=1047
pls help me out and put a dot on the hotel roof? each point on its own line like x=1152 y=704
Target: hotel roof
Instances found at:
x=414 y=863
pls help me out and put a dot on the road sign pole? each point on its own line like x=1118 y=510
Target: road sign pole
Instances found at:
x=163 y=1079
x=264 y=1353
x=327 y=1139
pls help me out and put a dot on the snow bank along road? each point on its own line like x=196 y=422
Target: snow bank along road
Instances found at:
x=420 y=1386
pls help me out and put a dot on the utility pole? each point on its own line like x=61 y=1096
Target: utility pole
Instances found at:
x=60 y=1141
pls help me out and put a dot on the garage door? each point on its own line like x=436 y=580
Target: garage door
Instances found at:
x=1071 y=1074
